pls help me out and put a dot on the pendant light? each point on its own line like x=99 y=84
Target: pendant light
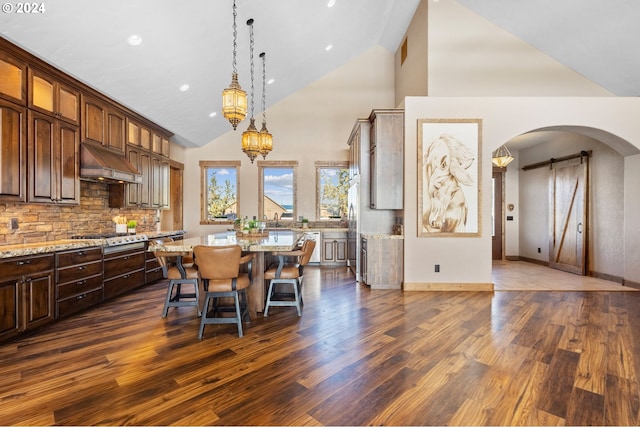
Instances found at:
x=265 y=139
x=250 y=143
x=234 y=99
x=502 y=156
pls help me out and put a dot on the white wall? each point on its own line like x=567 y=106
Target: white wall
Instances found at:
x=311 y=124
x=468 y=260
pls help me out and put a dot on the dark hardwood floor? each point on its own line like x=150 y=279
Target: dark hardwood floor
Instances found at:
x=355 y=357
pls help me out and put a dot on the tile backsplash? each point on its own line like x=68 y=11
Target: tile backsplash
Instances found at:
x=43 y=222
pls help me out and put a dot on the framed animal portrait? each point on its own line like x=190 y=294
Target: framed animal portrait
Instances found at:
x=449 y=177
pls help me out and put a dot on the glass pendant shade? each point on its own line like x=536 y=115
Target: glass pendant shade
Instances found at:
x=234 y=102
x=501 y=157
x=251 y=141
x=265 y=141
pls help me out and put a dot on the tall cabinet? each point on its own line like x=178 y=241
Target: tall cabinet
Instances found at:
x=387 y=159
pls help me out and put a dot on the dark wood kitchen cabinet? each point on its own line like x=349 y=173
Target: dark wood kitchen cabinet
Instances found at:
x=13 y=152
x=50 y=95
x=53 y=159
x=103 y=123
x=79 y=279
x=387 y=159
x=26 y=294
x=124 y=270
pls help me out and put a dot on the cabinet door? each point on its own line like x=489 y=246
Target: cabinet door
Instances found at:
x=41 y=162
x=116 y=130
x=13 y=79
x=66 y=150
x=49 y=96
x=160 y=182
x=13 y=152
x=94 y=120
x=39 y=299
x=145 y=171
x=133 y=190
x=340 y=250
x=53 y=161
x=10 y=316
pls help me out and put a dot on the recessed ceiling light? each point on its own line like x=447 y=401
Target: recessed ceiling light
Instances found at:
x=331 y=3
x=134 y=40
x=184 y=87
x=328 y=48
x=213 y=114
x=270 y=81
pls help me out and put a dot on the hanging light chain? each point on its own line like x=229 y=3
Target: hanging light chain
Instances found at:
x=264 y=90
x=250 y=24
x=235 y=38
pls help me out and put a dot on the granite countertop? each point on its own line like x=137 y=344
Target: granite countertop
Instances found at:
x=383 y=236
x=23 y=249
x=280 y=240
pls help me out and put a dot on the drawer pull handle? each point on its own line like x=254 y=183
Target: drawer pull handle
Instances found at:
x=80 y=297
x=81 y=282
x=126 y=276
x=82 y=267
x=82 y=253
x=23 y=262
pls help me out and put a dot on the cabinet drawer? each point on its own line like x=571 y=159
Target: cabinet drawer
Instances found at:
x=76 y=272
x=79 y=287
x=66 y=259
x=79 y=302
x=26 y=265
x=153 y=275
x=121 y=265
x=119 y=285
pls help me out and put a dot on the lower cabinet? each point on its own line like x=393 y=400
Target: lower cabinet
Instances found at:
x=26 y=294
x=78 y=280
x=381 y=262
x=124 y=270
x=334 y=247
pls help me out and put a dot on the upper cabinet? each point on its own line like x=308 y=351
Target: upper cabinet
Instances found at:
x=51 y=96
x=103 y=123
x=13 y=152
x=13 y=79
x=53 y=160
x=387 y=159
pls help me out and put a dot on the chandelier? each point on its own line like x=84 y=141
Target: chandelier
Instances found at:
x=501 y=157
x=234 y=99
x=250 y=137
x=265 y=139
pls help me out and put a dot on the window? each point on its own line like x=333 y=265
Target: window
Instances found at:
x=219 y=189
x=332 y=187
x=277 y=190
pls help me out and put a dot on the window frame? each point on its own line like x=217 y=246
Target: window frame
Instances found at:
x=278 y=164
x=217 y=164
x=328 y=164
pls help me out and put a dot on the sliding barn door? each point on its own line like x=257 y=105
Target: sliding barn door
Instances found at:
x=568 y=196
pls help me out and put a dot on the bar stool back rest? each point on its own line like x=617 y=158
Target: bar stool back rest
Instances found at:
x=219 y=271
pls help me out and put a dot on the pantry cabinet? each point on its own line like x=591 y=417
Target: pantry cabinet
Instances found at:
x=53 y=159
x=387 y=159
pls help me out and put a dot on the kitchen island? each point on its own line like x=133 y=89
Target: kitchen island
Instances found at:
x=280 y=240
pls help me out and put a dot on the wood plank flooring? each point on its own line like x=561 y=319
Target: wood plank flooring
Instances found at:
x=355 y=357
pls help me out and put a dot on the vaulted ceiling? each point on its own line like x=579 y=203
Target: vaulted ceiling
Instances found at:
x=190 y=43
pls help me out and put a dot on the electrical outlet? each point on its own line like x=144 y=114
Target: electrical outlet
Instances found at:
x=13 y=224
x=437 y=268
x=539 y=250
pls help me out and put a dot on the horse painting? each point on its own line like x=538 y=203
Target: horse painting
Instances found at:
x=446 y=167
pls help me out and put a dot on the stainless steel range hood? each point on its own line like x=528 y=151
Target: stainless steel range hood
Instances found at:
x=98 y=163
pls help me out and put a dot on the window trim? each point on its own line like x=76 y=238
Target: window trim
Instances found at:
x=325 y=164
x=262 y=164
x=204 y=165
